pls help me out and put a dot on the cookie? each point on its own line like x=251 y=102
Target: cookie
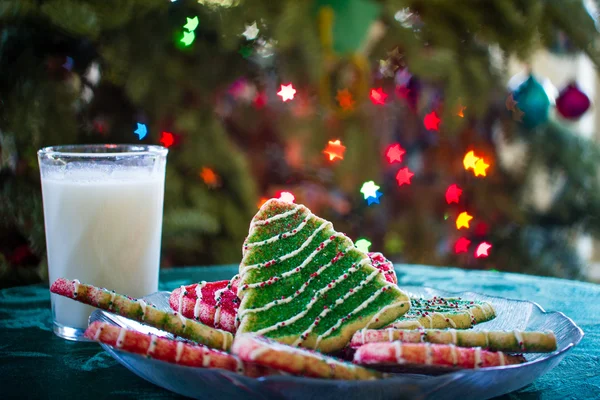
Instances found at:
x=169 y=350
x=140 y=311
x=512 y=341
x=445 y=355
x=304 y=284
x=212 y=303
x=296 y=361
x=385 y=266
x=440 y=312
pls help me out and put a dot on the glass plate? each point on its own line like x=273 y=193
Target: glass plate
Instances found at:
x=484 y=383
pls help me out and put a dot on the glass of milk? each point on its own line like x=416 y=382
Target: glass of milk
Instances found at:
x=103 y=207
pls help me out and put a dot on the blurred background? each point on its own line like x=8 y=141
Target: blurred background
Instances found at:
x=449 y=133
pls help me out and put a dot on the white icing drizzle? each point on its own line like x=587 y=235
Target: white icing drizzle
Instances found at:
x=257 y=352
x=309 y=305
x=183 y=320
x=76 y=284
x=225 y=339
x=99 y=331
x=477 y=357
x=449 y=320
x=519 y=338
x=121 y=337
x=181 y=294
x=483 y=311
x=428 y=354
x=217 y=317
x=363 y=331
x=384 y=309
x=112 y=300
x=179 y=352
x=299 y=291
x=152 y=346
x=368 y=279
x=501 y=360
x=276 y=217
x=239 y=365
x=398 y=348
x=428 y=317
x=453 y=334
x=205 y=357
x=390 y=332
x=294 y=253
x=487 y=339
x=453 y=354
x=198 y=299
x=339 y=323
x=143 y=306
x=283 y=235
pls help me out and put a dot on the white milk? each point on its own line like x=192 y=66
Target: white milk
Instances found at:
x=105 y=231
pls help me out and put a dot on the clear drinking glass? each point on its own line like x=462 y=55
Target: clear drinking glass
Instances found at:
x=103 y=207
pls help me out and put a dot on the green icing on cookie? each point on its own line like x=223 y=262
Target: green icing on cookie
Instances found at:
x=305 y=284
x=440 y=312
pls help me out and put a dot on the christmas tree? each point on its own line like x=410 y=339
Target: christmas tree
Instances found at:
x=314 y=98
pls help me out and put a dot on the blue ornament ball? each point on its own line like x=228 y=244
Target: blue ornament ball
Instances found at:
x=533 y=101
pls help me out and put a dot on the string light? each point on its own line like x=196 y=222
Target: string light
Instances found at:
x=480 y=167
x=345 y=100
x=188 y=38
x=287 y=92
x=363 y=245
x=378 y=96
x=462 y=221
x=461 y=111
x=188 y=31
x=482 y=250
x=374 y=199
x=192 y=24
x=462 y=245
x=251 y=31
x=141 y=131
x=167 y=139
x=469 y=160
x=432 y=121
x=369 y=189
x=287 y=197
x=334 y=150
x=403 y=176
x=210 y=177
x=394 y=153
x=261 y=201
x=453 y=193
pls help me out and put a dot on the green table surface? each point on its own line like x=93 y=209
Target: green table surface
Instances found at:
x=34 y=363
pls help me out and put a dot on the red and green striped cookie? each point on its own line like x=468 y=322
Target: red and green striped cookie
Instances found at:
x=304 y=284
x=510 y=341
x=212 y=303
x=293 y=360
x=169 y=350
x=385 y=266
x=140 y=311
x=441 y=312
x=446 y=355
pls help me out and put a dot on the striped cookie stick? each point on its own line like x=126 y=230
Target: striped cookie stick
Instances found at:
x=509 y=341
x=297 y=361
x=140 y=311
x=169 y=350
x=447 y=355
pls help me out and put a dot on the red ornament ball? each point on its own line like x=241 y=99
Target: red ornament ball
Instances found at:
x=572 y=103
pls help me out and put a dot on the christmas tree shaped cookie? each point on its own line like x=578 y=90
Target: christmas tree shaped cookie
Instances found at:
x=304 y=284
